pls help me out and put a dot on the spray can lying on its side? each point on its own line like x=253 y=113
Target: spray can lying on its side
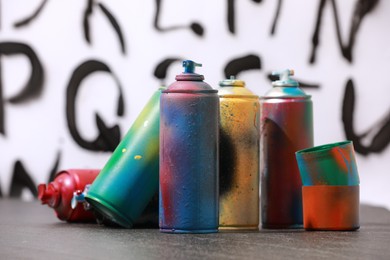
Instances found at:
x=148 y=219
x=286 y=127
x=189 y=155
x=239 y=156
x=59 y=193
x=129 y=179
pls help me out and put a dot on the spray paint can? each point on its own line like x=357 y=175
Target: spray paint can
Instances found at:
x=189 y=155
x=129 y=180
x=239 y=156
x=148 y=218
x=58 y=194
x=286 y=114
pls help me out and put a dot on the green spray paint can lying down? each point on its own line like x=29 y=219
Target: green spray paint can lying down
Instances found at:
x=129 y=179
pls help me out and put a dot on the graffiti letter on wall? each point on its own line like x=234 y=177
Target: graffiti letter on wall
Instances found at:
x=88 y=12
x=195 y=27
x=160 y=71
x=34 y=85
x=276 y=18
x=380 y=131
x=231 y=15
x=362 y=8
x=21 y=179
x=29 y=19
x=108 y=138
x=248 y=62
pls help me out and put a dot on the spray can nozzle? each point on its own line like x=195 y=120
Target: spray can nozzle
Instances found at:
x=79 y=197
x=48 y=195
x=232 y=82
x=284 y=78
x=189 y=66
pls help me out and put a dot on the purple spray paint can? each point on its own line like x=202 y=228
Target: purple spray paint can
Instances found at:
x=286 y=115
x=189 y=110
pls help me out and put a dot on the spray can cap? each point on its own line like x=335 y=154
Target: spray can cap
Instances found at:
x=285 y=87
x=189 y=66
x=48 y=195
x=189 y=72
x=284 y=79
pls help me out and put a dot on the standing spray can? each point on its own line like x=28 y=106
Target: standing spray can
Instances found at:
x=189 y=155
x=58 y=194
x=239 y=156
x=286 y=127
x=129 y=180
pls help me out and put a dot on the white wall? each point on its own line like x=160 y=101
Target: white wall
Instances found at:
x=36 y=130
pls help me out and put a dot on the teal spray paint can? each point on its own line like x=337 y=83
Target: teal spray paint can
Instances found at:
x=129 y=180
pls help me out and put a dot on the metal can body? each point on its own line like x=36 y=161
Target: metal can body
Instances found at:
x=189 y=157
x=286 y=127
x=59 y=193
x=129 y=179
x=239 y=157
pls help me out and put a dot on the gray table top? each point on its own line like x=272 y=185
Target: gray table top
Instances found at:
x=31 y=231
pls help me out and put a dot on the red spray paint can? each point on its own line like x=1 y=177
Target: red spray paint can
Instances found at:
x=58 y=194
x=286 y=126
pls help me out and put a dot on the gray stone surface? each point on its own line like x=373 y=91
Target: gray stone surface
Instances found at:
x=31 y=231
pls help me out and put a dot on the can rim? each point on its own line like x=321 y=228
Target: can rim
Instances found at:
x=325 y=148
x=108 y=210
x=286 y=97
x=189 y=91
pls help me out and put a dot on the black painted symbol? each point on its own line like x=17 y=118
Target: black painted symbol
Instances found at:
x=248 y=62
x=32 y=17
x=34 y=86
x=276 y=18
x=114 y=23
x=380 y=132
x=162 y=67
x=362 y=8
x=231 y=14
x=54 y=169
x=21 y=179
x=108 y=137
x=195 y=27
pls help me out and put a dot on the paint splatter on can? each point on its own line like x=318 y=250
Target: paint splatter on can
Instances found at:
x=129 y=179
x=189 y=155
x=329 y=164
x=286 y=115
x=239 y=156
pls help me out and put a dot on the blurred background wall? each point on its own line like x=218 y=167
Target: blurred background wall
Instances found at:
x=75 y=74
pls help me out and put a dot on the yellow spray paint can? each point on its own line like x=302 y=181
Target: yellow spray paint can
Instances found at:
x=239 y=156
